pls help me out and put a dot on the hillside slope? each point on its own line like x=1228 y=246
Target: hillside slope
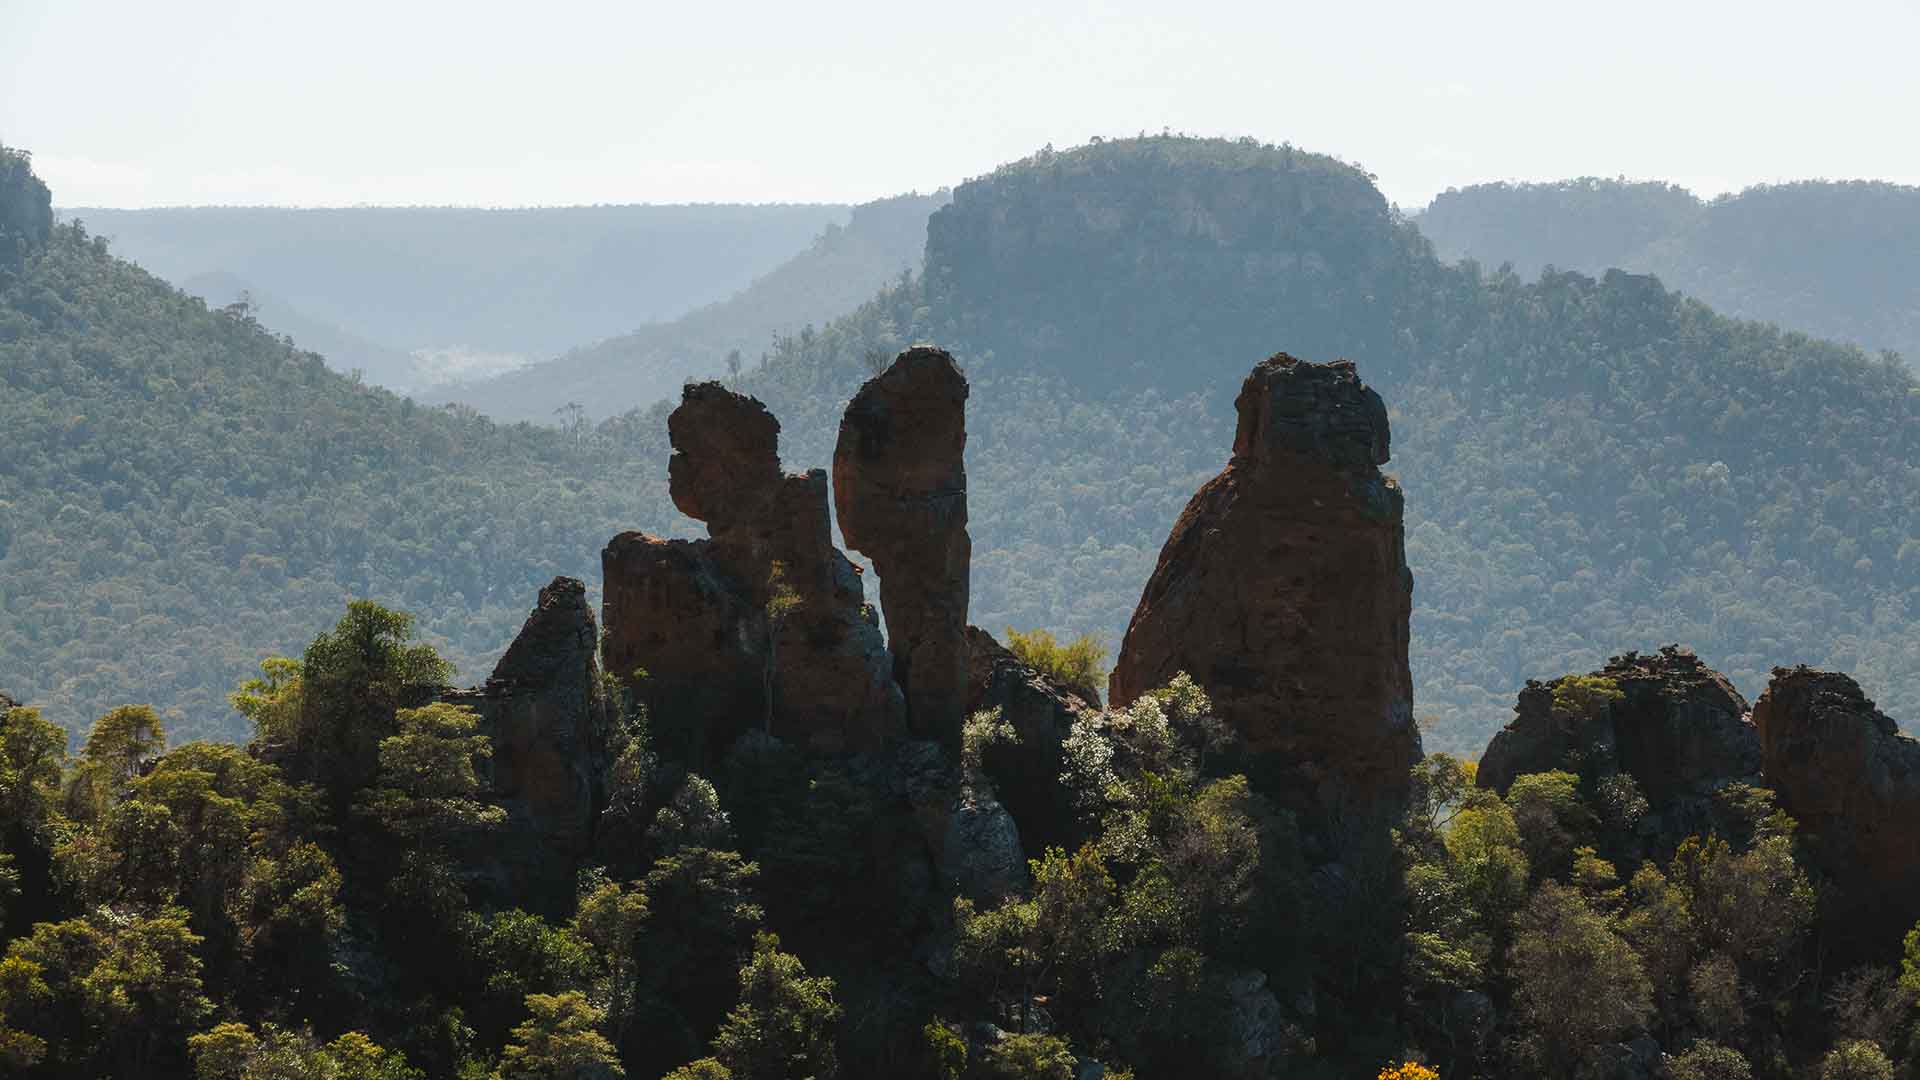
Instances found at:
x=1835 y=259
x=841 y=268
x=181 y=492
x=526 y=283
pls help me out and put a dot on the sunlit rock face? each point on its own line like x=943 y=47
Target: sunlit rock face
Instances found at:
x=1284 y=591
x=900 y=491
x=761 y=626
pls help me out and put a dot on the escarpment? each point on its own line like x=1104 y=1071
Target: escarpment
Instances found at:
x=544 y=712
x=762 y=625
x=1844 y=771
x=1284 y=591
x=900 y=489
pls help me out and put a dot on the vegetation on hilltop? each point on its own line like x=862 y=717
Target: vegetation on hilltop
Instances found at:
x=1835 y=259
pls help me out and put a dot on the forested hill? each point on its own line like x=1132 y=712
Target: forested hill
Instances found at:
x=460 y=282
x=841 y=268
x=182 y=493
x=1590 y=465
x=1834 y=259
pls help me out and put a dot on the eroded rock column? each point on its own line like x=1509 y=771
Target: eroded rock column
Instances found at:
x=900 y=489
x=1284 y=591
x=1844 y=771
x=761 y=626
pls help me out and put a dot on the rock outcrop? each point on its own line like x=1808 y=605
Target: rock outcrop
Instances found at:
x=544 y=712
x=1284 y=591
x=764 y=624
x=1680 y=730
x=900 y=489
x=1041 y=710
x=1844 y=771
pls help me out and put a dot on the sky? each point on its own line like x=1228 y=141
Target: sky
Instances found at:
x=482 y=103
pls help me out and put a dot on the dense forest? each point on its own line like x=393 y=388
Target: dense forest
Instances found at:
x=331 y=901
x=182 y=492
x=842 y=268
x=526 y=283
x=1839 y=260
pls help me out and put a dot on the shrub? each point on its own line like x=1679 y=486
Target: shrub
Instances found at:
x=1079 y=663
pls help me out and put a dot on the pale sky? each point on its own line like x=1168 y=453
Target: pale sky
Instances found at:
x=342 y=102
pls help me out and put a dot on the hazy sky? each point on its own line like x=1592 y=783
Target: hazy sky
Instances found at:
x=141 y=103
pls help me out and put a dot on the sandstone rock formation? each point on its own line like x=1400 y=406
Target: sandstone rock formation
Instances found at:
x=1844 y=771
x=1041 y=710
x=1284 y=591
x=765 y=613
x=1680 y=731
x=545 y=714
x=900 y=489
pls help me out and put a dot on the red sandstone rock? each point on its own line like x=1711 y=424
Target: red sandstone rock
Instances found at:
x=701 y=618
x=543 y=710
x=1844 y=771
x=1680 y=730
x=900 y=488
x=1284 y=591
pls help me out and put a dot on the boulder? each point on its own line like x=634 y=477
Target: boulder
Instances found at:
x=1844 y=771
x=900 y=491
x=1284 y=591
x=762 y=625
x=1680 y=729
x=543 y=710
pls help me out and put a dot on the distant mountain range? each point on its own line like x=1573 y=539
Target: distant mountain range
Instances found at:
x=443 y=286
x=841 y=268
x=1839 y=260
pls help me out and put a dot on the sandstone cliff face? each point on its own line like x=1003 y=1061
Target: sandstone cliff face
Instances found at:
x=543 y=710
x=1681 y=730
x=900 y=488
x=1284 y=591
x=1844 y=771
x=765 y=610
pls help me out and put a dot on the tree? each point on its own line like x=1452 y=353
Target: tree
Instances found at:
x=1030 y=1057
x=559 y=1041
x=121 y=742
x=1577 y=985
x=609 y=918
x=1856 y=1060
x=427 y=782
x=1709 y=1061
x=784 y=1024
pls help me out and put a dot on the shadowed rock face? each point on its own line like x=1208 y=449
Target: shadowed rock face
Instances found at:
x=1041 y=710
x=1680 y=730
x=766 y=610
x=900 y=488
x=1284 y=591
x=1844 y=771
x=543 y=710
